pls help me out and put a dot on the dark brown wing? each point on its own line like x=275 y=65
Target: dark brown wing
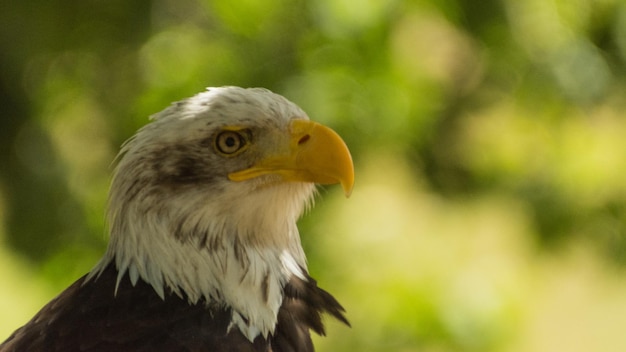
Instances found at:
x=90 y=318
x=302 y=309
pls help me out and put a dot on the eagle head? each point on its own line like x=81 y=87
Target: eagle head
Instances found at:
x=205 y=198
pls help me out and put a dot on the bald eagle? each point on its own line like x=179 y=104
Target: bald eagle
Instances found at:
x=204 y=252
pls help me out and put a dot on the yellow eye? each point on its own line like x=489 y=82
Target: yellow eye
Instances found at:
x=229 y=142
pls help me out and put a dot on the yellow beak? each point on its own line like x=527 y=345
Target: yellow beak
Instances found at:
x=314 y=153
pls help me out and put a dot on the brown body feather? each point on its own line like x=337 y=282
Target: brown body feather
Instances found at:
x=90 y=317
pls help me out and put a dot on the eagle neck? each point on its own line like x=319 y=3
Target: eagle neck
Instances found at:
x=227 y=262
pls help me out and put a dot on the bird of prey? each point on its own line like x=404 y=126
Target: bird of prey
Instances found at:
x=204 y=253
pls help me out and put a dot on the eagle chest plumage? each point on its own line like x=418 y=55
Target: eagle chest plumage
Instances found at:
x=204 y=253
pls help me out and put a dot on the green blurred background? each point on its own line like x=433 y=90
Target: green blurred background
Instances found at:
x=489 y=137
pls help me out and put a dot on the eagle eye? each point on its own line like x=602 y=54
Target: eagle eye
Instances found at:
x=229 y=142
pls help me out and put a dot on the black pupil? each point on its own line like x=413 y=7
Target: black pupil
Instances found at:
x=230 y=141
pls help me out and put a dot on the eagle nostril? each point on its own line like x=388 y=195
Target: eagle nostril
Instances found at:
x=304 y=138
